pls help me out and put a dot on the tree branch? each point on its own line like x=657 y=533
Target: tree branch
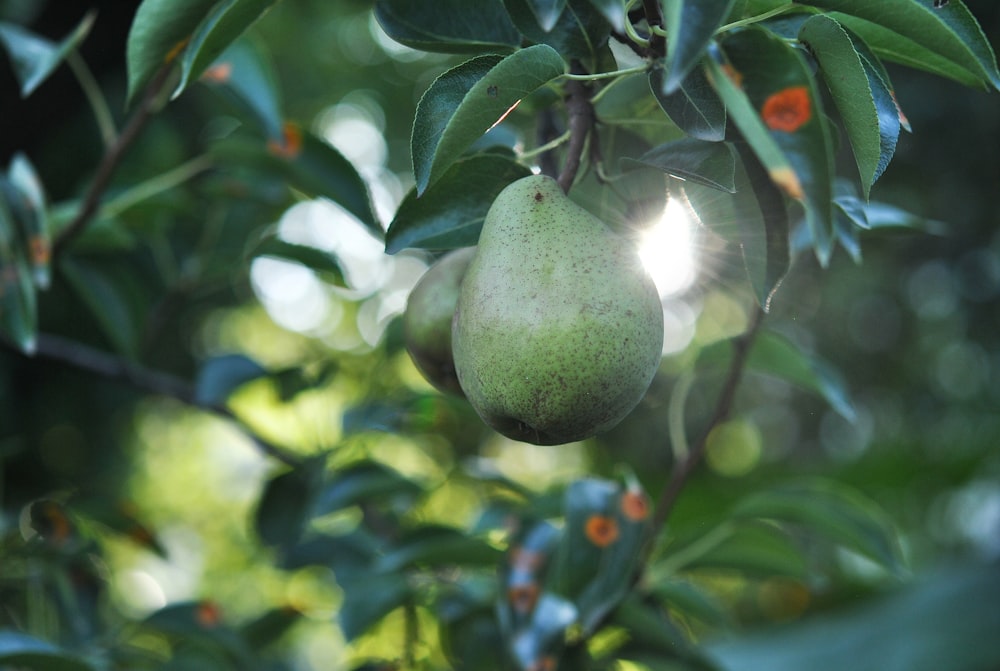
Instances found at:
x=113 y=367
x=723 y=406
x=112 y=157
x=654 y=17
x=546 y=132
x=581 y=123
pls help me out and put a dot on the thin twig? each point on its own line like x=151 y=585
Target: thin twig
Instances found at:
x=92 y=91
x=112 y=157
x=113 y=367
x=723 y=406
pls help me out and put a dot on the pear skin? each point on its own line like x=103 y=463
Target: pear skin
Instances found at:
x=428 y=316
x=558 y=330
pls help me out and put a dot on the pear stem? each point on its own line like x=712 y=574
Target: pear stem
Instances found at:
x=723 y=406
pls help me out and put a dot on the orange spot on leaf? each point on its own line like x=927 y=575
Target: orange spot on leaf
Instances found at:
x=546 y=663
x=635 y=506
x=60 y=529
x=787 y=110
x=788 y=181
x=734 y=75
x=208 y=614
x=176 y=50
x=526 y=560
x=523 y=598
x=903 y=121
x=218 y=73
x=290 y=144
x=41 y=251
x=601 y=530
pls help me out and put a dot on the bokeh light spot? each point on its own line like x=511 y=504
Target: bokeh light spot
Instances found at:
x=667 y=250
x=734 y=448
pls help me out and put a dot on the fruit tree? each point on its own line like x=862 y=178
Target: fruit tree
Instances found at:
x=500 y=335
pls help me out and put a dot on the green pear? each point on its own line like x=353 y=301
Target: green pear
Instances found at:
x=558 y=329
x=427 y=319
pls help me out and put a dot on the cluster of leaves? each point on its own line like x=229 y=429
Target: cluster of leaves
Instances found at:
x=61 y=563
x=568 y=562
x=746 y=108
x=763 y=101
x=269 y=162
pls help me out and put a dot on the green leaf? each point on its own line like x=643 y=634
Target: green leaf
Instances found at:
x=365 y=482
x=613 y=11
x=160 y=30
x=368 y=601
x=781 y=91
x=200 y=622
x=109 y=292
x=885 y=216
x=947 y=29
x=35 y=58
x=846 y=232
x=546 y=12
x=851 y=206
x=834 y=510
x=694 y=106
x=31 y=211
x=711 y=164
x=324 y=263
x=946 y=619
x=749 y=9
x=316 y=168
x=119 y=517
x=854 y=89
x=18 y=308
x=890 y=117
x=544 y=634
x=434 y=546
x=686 y=597
x=466 y=101
x=227 y=21
x=775 y=356
x=745 y=117
x=450 y=213
x=655 y=639
x=690 y=27
x=581 y=32
x=891 y=46
x=449 y=26
x=763 y=230
x=349 y=555
x=221 y=375
x=18 y=650
x=599 y=549
x=287 y=505
x=243 y=76
x=756 y=549
x=269 y=627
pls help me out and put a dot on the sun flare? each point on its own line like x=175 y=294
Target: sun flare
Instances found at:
x=667 y=250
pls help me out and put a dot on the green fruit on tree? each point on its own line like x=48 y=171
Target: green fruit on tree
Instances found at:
x=428 y=316
x=558 y=329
